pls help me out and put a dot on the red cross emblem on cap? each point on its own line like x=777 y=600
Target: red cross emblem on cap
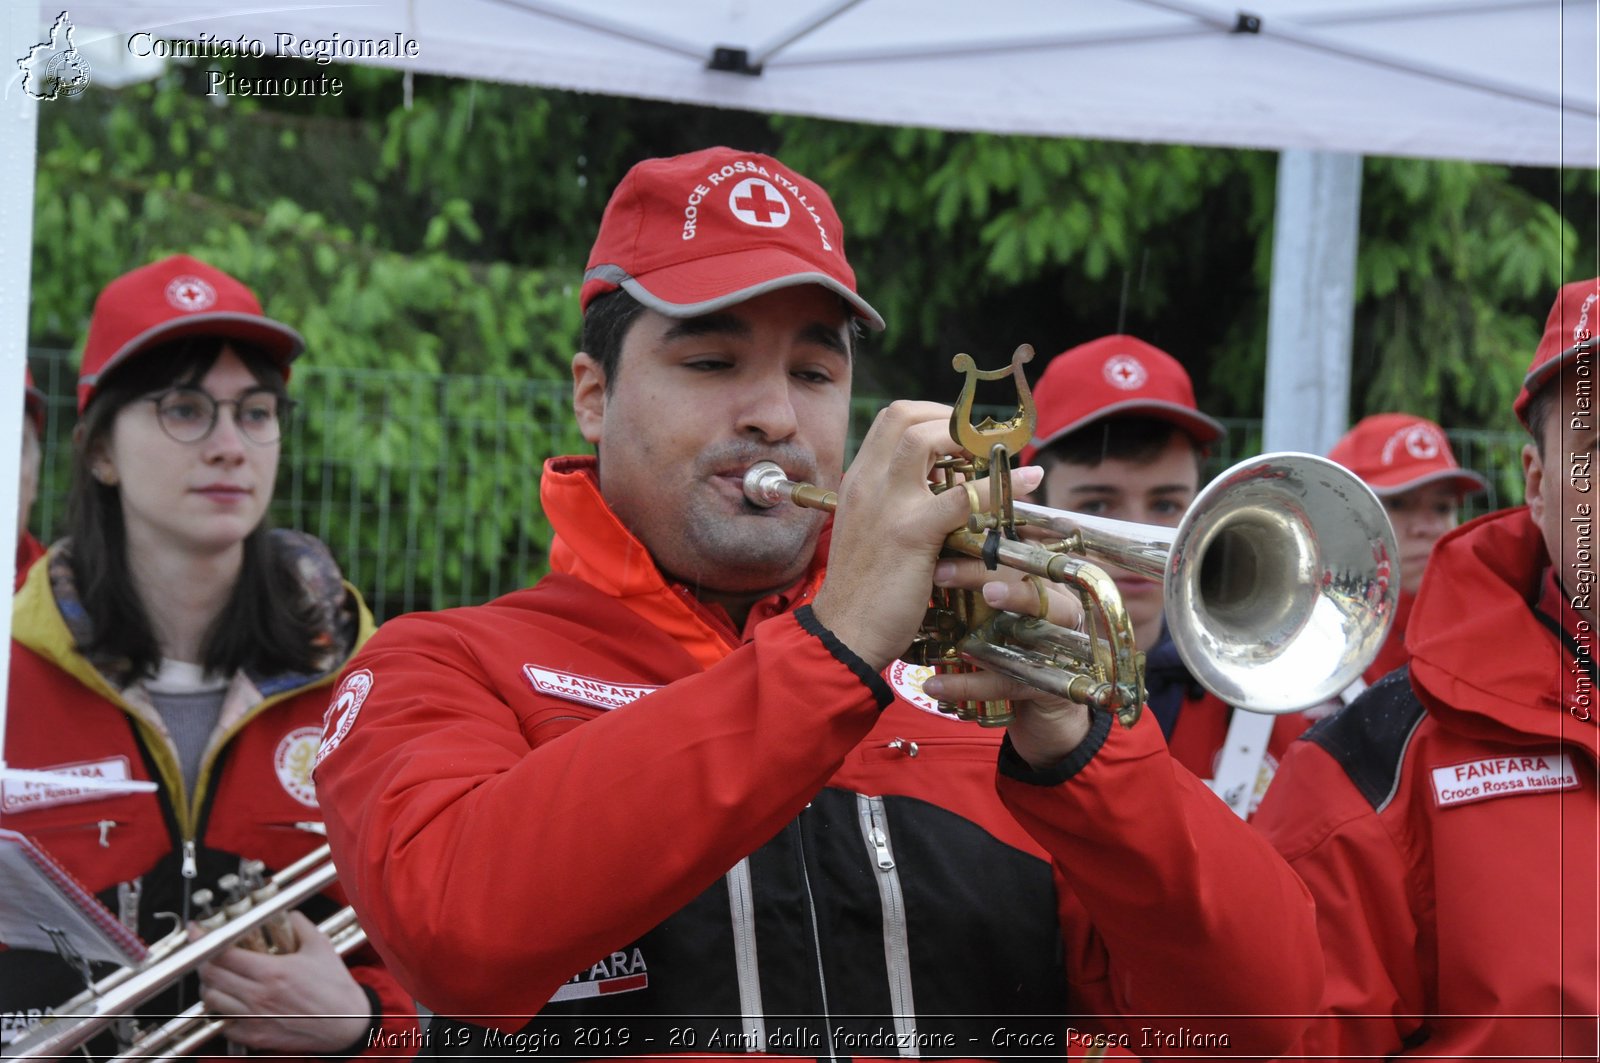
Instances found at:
x=190 y=293
x=755 y=202
x=1421 y=444
x=1126 y=372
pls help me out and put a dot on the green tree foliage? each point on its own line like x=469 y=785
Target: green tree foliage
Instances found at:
x=971 y=241
x=978 y=242
x=446 y=239
x=126 y=177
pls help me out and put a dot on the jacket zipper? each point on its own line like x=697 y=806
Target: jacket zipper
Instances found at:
x=896 y=950
x=741 y=903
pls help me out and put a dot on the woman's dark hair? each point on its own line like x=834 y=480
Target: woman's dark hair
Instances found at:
x=268 y=623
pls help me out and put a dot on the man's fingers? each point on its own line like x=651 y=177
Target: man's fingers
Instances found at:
x=1012 y=591
x=977 y=686
x=221 y=1002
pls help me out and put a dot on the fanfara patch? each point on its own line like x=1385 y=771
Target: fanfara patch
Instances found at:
x=27 y=795
x=621 y=972
x=295 y=757
x=190 y=293
x=582 y=688
x=1125 y=371
x=1480 y=780
x=907 y=680
x=342 y=710
x=756 y=202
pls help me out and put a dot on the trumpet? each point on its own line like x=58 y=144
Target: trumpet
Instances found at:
x=184 y=1033
x=1279 y=584
x=174 y=957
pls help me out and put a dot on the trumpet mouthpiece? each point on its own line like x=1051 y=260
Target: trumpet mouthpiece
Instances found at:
x=764 y=483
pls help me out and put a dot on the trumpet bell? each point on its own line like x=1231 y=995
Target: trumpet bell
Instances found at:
x=1281 y=582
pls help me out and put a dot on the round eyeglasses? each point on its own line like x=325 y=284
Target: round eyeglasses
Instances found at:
x=189 y=415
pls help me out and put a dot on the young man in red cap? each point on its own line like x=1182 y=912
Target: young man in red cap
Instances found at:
x=1447 y=820
x=677 y=798
x=1408 y=463
x=1120 y=435
x=29 y=549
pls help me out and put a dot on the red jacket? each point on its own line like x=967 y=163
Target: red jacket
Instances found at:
x=1202 y=731
x=1447 y=825
x=594 y=800
x=143 y=853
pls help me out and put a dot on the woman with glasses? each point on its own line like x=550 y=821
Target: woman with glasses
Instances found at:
x=179 y=651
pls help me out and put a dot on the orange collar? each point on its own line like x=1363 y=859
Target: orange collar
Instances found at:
x=591 y=544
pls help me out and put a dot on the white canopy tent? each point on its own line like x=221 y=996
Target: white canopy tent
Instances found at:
x=1493 y=80
x=1326 y=81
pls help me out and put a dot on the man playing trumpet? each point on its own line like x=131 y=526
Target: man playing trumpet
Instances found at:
x=680 y=798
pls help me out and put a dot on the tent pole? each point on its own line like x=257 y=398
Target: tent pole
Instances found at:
x=809 y=24
x=1312 y=301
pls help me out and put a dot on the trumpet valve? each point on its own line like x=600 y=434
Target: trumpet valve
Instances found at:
x=206 y=915
x=276 y=932
x=237 y=903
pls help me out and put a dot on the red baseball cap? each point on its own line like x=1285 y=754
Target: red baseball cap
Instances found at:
x=166 y=300
x=1395 y=452
x=692 y=234
x=1569 y=331
x=1115 y=376
x=33 y=403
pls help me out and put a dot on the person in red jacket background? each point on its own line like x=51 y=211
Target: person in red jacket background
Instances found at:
x=1408 y=463
x=29 y=548
x=175 y=642
x=681 y=798
x=1120 y=435
x=1447 y=819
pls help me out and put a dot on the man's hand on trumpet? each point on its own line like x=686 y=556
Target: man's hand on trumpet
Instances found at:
x=297 y=1003
x=1047 y=728
x=888 y=531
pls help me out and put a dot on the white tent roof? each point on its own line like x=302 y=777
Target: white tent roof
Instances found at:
x=1492 y=80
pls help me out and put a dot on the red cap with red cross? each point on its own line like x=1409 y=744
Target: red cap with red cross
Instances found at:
x=1115 y=376
x=176 y=297
x=1396 y=452
x=693 y=234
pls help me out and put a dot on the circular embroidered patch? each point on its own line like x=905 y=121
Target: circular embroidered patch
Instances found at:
x=342 y=710
x=190 y=293
x=906 y=681
x=756 y=202
x=1126 y=372
x=293 y=761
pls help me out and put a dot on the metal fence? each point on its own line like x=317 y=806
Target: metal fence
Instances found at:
x=426 y=487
